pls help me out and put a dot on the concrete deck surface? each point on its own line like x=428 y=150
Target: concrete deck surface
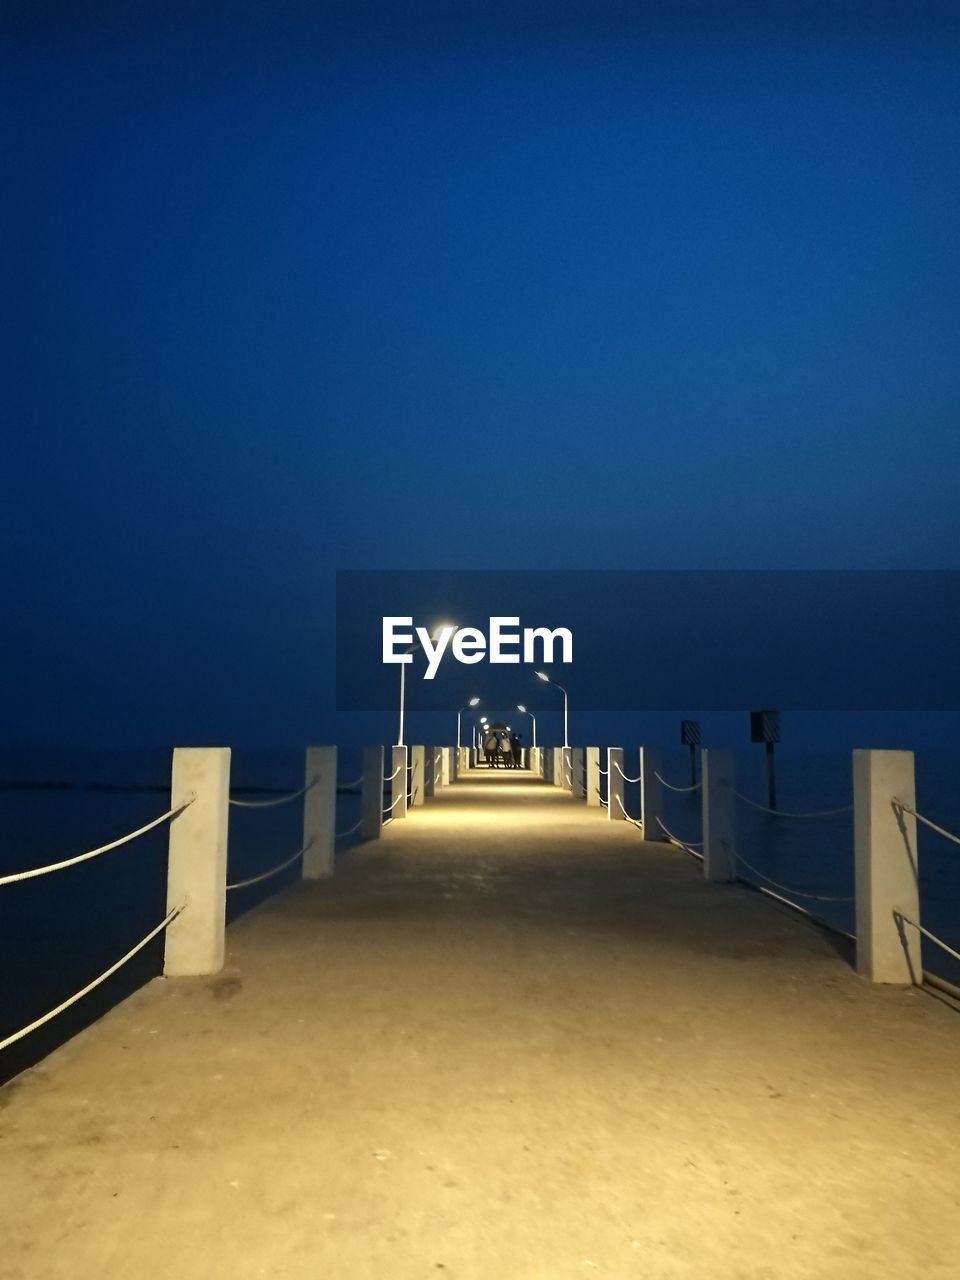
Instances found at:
x=510 y=1041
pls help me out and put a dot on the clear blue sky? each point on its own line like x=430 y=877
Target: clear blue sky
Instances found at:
x=298 y=288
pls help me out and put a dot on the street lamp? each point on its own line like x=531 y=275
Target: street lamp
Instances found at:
x=521 y=707
x=472 y=703
x=542 y=675
x=434 y=636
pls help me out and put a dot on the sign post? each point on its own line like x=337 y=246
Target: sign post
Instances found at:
x=690 y=737
x=765 y=728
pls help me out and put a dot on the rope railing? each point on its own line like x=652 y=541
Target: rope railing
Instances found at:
x=908 y=808
x=391 y=776
x=902 y=919
x=341 y=835
x=625 y=776
x=803 y=911
x=688 y=845
x=603 y=772
x=393 y=804
x=348 y=786
x=93 y=853
x=274 y=871
x=107 y=973
x=798 y=893
x=671 y=787
x=270 y=804
x=783 y=813
x=636 y=821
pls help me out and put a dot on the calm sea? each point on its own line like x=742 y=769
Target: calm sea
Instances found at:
x=59 y=931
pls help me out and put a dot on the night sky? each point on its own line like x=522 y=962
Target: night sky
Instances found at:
x=299 y=288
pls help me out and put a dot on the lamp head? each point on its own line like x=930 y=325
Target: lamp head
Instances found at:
x=473 y=702
x=542 y=675
x=521 y=707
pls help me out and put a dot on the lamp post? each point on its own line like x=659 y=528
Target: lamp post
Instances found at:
x=521 y=707
x=434 y=635
x=542 y=675
x=472 y=703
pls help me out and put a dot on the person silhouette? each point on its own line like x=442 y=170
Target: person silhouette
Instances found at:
x=516 y=749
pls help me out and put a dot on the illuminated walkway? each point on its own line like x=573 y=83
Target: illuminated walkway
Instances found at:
x=509 y=1041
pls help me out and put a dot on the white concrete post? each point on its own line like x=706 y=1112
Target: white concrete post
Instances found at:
x=886 y=868
x=719 y=826
x=417 y=790
x=651 y=793
x=576 y=773
x=593 y=777
x=398 y=783
x=197 y=861
x=558 y=772
x=371 y=793
x=615 y=784
x=430 y=771
x=547 y=764
x=319 y=812
x=445 y=777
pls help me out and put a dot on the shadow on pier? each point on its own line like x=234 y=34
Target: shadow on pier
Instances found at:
x=507 y=1039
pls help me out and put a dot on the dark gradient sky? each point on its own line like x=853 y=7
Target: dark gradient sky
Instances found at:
x=296 y=288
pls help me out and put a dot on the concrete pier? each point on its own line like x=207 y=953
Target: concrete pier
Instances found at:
x=319 y=812
x=418 y=793
x=507 y=1039
x=719 y=817
x=885 y=860
x=371 y=793
x=197 y=860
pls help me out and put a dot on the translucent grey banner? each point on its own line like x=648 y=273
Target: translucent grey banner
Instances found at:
x=658 y=640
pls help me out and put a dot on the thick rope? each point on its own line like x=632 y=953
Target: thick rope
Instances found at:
x=602 y=772
x=799 y=893
x=274 y=871
x=671 y=787
x=782 y=813
x=396 y=800
x=340 y=835
x=625 y=776
x=683 y=844
x=39 y=1022
x=83 y=857
x=270 y=804
x=919 y=928
x=795 y=906
x=394 y=774
x=907 y=808
x=636 y=822
x=346 y=786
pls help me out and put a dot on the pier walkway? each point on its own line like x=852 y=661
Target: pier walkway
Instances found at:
x=507 y=1041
